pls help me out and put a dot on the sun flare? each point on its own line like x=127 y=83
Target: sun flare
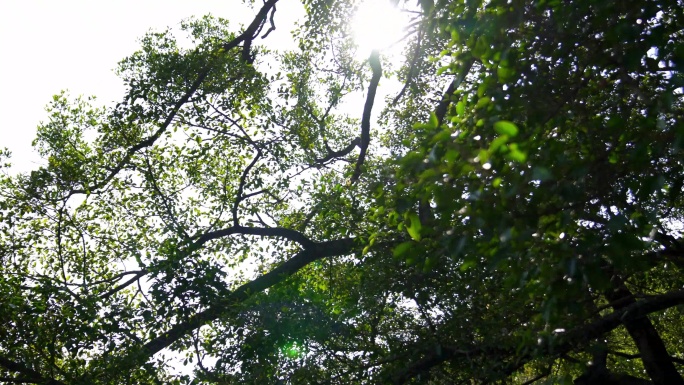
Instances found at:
x=376 y=25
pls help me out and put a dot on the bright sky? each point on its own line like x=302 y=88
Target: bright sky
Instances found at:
x=47 y=46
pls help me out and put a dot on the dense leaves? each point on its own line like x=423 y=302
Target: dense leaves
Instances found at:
x=511 y=213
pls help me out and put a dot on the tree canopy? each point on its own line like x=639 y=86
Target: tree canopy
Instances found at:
x=512 y=211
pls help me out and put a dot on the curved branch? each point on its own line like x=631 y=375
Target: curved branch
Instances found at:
x=272 y=27
x=243 y=180
x=226 y=305
x=117 y=289
x=412 y=67
x=338 y=154
x=290 y=235
x=252 y=31
x=374 y=62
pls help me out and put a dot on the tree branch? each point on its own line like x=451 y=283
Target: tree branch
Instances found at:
x=654 y=354
x=539 y=377
x=633 y=356
x=579 y=336
x=443 y=105
x=34 y=376
x=226 y=305
x=123 y=285
x=243 y=180
x=374 y=62
x=412 y=67
x=10 y=380
x=247 y=36
x=290 y=235
x=337 y=154
x=252 y=32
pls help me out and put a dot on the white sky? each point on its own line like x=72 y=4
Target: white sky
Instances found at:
x=47 y=46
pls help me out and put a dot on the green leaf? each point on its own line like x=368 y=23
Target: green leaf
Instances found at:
x=434 y=122
x=482 y=102
x=402 y=248
x=504 y=127
x=414 y=226
x=505 y=74
x=460 y=109
x=497 y=143
x=481 y=47
x=516 y=154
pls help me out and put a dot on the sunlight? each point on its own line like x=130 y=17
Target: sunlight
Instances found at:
x=377 y=24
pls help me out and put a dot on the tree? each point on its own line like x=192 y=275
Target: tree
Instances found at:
x=513 y=215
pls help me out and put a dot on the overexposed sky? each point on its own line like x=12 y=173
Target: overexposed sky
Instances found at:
x=47 y=46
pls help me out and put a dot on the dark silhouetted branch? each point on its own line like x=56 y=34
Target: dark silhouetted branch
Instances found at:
x=32 y=376
x=580 y=336
x=443 y=105
x=375 y=65
x=337 y=154
x=288 y=234
x=243 y=180
x=226 y=305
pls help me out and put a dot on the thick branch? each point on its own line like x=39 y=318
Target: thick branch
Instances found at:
x=225 y=306
x=374 y=62
x=654 y=354
x=577 y=337
x=290 y=235
x=34 y=376
x=252 y=31
x=338 y=154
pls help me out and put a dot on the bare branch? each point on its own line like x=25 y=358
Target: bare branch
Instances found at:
x=374 y=62
x=412 y=67
x=288 y=234
x=243 y=180
x=272 y=27
x=117 y=289
x=338 y=154
x=252 y=32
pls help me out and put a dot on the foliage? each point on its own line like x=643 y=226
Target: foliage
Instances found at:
x=513 y=212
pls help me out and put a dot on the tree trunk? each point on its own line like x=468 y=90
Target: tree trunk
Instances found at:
x=656 y=360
